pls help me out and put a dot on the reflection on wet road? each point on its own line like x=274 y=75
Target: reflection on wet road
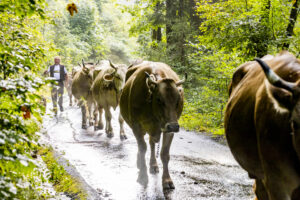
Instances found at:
x=200 y=168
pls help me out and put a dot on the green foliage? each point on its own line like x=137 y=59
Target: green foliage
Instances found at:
x=62 y=181
x=98 y=31
x=230 y=33
x=22 y=53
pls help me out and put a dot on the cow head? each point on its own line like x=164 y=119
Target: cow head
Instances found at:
x=287 y=96
x=117 y=76
x=86 y=71
x=167 y=101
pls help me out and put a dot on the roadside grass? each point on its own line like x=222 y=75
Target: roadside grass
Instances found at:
x=193 y=120
x=62 y=181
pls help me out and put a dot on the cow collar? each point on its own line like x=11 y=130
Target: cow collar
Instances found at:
x=150 y=96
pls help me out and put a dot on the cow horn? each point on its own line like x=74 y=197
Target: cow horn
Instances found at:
x=112 y=65
x=273 y=78
x=97 y=62
x=79 y=64
x=182 y=81
x=83 y=63
x=150 y=80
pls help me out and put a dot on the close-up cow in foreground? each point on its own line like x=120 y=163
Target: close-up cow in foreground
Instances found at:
x=152 y=102
x=262 y=124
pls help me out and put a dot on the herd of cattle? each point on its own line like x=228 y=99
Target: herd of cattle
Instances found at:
x=262 y=117
x=150 y=96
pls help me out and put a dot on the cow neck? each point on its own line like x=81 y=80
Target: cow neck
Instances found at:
x=116 y=90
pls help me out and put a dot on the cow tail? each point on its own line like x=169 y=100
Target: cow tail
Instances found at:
x=157 y=150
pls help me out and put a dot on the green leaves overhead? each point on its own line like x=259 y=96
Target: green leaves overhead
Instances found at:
x=209 y=39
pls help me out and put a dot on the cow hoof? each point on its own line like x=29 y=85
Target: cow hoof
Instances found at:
x=99 y=127
x=143 y=179
x=84 y=126
x=123 y=137
x=153 y=169
x=168 y=185
x=110 y=135
x=91 y=123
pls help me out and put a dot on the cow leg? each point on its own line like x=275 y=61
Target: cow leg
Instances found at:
x=99 y=124
x=90 y=107
x=167 y=182
x=296 y=194
x=95 y=114
x=122 y=133
x=141 y=162
x=275 y=188
x=153 y=163
x=260 y=190
x=108 y=126
x=83 y=112
x=70 y=98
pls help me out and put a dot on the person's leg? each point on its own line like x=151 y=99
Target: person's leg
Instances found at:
x=60 y=95
x=54 y=98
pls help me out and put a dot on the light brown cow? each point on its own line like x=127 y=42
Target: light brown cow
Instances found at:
x=262 y=122
x=81 y=89
x=106 y=90
x=68 y=86
x=152 y=102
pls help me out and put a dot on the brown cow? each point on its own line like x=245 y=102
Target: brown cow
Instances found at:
x=152 y=102
x=68 y=86
x=106 y=90
x=81 y=89
x=262 y=123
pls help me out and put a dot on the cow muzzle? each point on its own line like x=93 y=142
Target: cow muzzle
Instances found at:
x=171 y=127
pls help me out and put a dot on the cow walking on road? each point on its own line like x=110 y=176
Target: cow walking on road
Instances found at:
x=152 y=102
x=106 y=89
x=68 y=86
x=81 y=89
x=262 y=124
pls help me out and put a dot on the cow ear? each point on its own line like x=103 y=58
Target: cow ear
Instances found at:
x=108 y=77
x=282 y=98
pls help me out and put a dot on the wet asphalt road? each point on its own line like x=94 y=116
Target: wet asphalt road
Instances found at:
x=200 y=168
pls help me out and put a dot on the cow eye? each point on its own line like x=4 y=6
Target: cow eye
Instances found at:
x=160 y=102
x=295 y=125
x=177 y=104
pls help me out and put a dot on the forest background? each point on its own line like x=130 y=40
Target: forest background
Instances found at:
x=208 y=39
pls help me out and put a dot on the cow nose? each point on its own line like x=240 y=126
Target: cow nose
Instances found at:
x=172 y=127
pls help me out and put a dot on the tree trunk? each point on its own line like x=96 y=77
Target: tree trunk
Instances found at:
x=292 y=21
x=159 y=34
x=182 y=35
x=261 y=47
x=194 y=18
x=156 y=32
x=170 y=20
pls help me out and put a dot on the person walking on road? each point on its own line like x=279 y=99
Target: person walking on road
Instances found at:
x=59 y=73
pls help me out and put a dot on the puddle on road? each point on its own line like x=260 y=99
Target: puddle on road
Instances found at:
x=199 y=167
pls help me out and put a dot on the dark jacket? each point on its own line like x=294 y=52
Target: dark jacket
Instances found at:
x=61 y=73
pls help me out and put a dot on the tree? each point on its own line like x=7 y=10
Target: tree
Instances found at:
x=291 y=24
